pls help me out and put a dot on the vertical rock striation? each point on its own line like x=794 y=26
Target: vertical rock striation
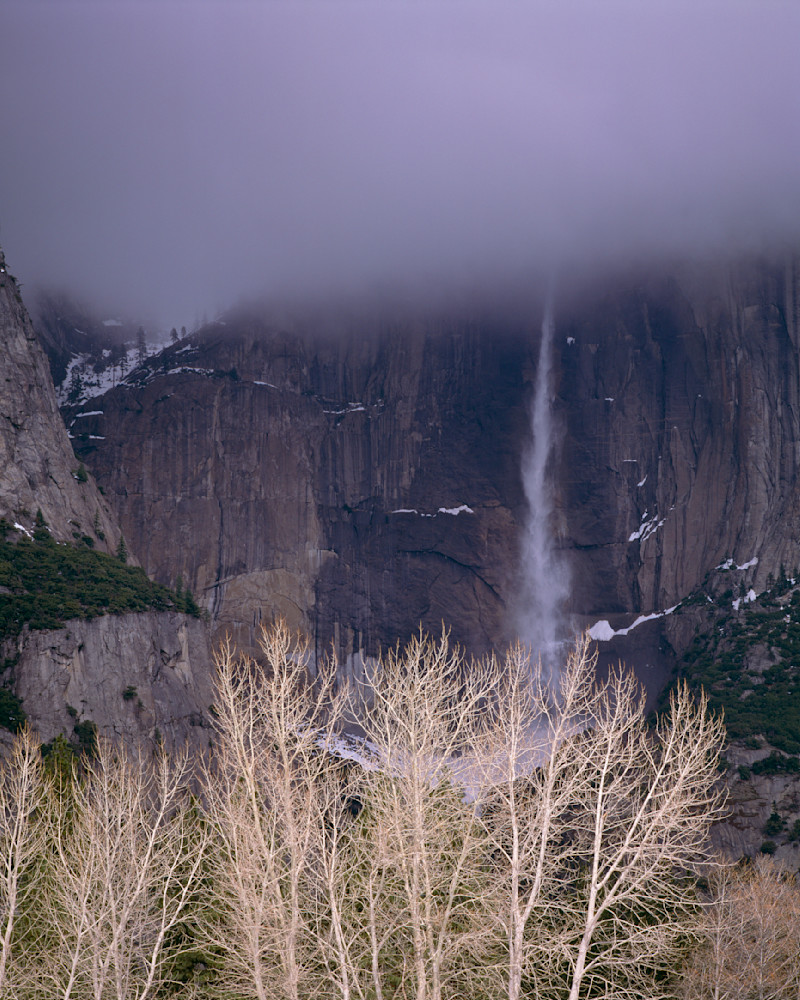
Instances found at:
x=37 y=465
x=365 y=479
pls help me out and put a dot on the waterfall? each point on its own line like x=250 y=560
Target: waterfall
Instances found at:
x=545 y=584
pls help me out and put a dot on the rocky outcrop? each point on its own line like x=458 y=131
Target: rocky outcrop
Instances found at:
x=750 y=800
x=81 y=672
x=134 y=676
x=38 y=469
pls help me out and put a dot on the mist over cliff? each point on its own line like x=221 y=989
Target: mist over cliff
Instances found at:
x=166 y=161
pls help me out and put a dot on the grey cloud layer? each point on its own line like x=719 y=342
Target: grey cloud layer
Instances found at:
x=170 y=156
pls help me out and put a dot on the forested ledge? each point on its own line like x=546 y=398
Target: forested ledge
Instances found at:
x=44 y=583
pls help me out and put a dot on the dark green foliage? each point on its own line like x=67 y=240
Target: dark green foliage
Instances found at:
x=81 y=474
x=12 y=715
x=41 y=532
x=122 y=550
x=777 y=763
x=775 y=824
x=49 y=584
x=86 y=735
x=64 y=759
x=184 y=600
x=129 y=693
x=748 y=662
x=769 y=847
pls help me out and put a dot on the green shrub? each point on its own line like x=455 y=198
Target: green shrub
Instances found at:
x=47 y=584
x=775 y=824
x=12 y=716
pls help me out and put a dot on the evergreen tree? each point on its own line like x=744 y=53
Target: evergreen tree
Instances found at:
x=41 y=532
x=141 y=346
x=122 y=550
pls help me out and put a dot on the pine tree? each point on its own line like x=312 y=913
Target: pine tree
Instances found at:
x=141 y=346
x=41 y=532
x=122 y=550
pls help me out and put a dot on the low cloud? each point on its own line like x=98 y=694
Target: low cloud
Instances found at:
x=170 y=157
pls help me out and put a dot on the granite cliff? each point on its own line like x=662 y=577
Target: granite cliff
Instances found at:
x=356 y=481
x=363 y=475
x=79 y=674
x=38 y=469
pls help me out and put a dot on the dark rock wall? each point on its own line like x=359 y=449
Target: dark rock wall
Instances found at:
x=689 y=386
x=271 y=471
x=271 y=466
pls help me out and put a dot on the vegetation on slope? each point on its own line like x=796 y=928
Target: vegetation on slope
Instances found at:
x=747 y=658
x=44 y=583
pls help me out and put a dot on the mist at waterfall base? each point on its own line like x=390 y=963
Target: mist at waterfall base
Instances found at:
x=544 y=588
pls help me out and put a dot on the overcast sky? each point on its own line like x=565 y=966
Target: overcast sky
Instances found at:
x=169 y=156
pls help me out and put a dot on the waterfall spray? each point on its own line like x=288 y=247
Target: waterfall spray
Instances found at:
x=544 y=575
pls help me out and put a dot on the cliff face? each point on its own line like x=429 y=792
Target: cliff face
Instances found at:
x=87 y=665
x=356 y=483
x=365 y=479
x=134 y=676
x=37 y=464
x=681 y=403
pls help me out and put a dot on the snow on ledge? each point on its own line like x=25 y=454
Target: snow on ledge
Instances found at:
x=729 y=564
x=453 y=511
x=748 y=598
x=602 y=631
x=21 y=527
x=645 y=530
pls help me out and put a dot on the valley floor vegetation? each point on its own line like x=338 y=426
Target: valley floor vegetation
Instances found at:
x=481 y=833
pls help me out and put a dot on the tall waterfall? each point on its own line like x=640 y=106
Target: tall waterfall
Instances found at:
x=545 y=582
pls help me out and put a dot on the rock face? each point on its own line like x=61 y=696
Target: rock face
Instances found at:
x=88 y=664
x=317 y=473
x=357 y=484
x=680 y=399
x=37 y=464
x=364 y=479
x=133 y=676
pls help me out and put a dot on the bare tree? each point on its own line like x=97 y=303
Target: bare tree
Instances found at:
x=750 y=935
x=532 y=780
x=21 y=848
x=507 y=835
x=594 y=817
x=642 y=822
x=127 y=859
x=266 y=790
x=422 y=720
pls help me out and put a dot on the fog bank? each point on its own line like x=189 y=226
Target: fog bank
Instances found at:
x=170 y=157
